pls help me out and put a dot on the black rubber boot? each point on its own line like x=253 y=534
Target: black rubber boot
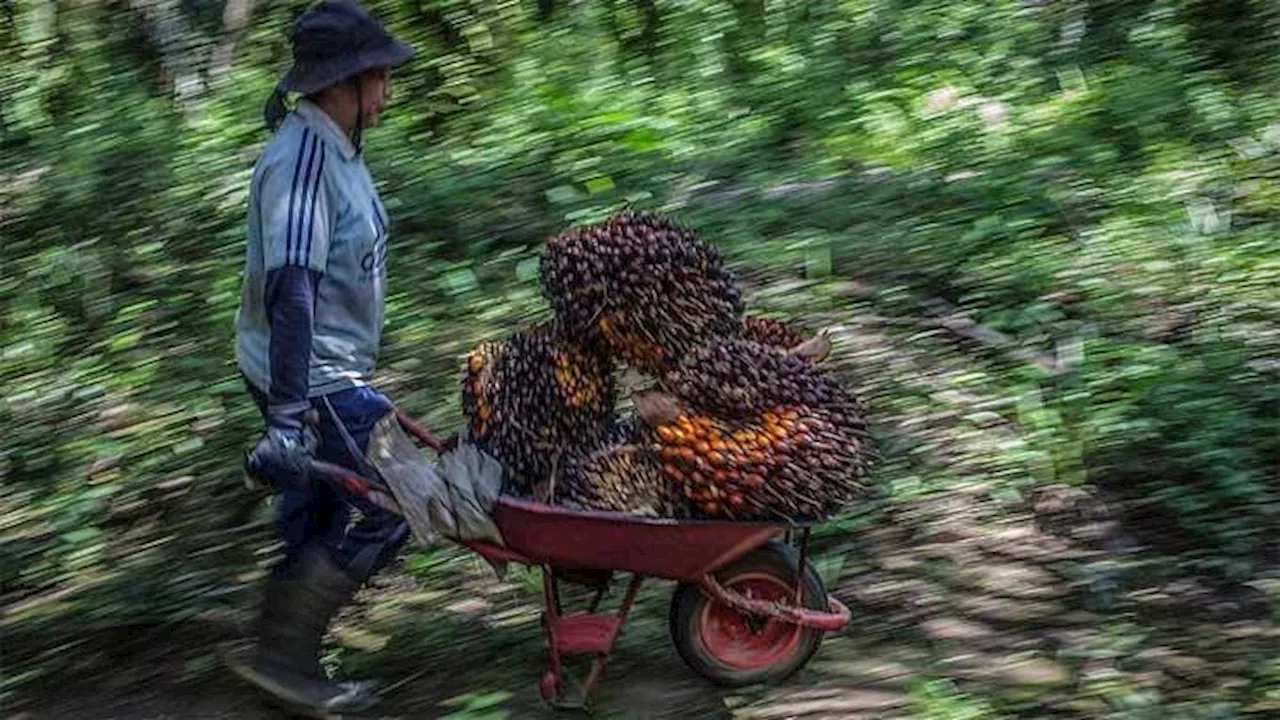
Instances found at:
x=297 y=609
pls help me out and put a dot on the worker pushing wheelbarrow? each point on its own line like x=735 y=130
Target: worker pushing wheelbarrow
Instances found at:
x=765 y=439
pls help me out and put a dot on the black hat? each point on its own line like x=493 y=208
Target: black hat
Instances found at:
x=336 y=40
x=333 y=41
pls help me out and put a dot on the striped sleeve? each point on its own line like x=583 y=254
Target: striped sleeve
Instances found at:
x=296 y=206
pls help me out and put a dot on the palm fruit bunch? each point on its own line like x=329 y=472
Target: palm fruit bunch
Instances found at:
x=740 y=378
x=762 y=433
x=791 y=462
x=534 y=399
x=774 y=333
x=477 y=388
x=623 y=475
x=640 y=286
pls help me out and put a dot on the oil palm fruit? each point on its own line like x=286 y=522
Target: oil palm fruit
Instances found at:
x=478 y=388
x=535 y=401
x=641 y=286
x=754 y=433
x=623 y=475
x=772 y=332
x=737 y=378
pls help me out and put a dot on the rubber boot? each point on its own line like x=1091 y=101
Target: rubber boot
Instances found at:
x=300 y=603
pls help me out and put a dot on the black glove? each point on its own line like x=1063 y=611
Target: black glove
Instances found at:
x=283 y=455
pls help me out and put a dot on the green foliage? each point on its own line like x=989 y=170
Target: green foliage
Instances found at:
x=474 y=706
x=1003 y=155
x=942 y=700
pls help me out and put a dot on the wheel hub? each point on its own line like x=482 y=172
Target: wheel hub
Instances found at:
x=745 y=641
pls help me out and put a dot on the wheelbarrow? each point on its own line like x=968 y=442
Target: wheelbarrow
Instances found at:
x=747 y=608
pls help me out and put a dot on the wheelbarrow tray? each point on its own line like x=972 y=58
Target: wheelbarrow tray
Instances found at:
x=681 y=550
x=536 y=533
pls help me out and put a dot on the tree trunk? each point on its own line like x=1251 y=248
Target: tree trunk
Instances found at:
x=235 y=20
x=746 y=34
x=168 y=30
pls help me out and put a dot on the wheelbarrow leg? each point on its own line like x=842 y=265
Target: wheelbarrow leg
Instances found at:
x=597 y=665
x=552 y=585
x=632 y=591
x=804 y=561
x=552 y=686
x=596 y=599
x=580 y=634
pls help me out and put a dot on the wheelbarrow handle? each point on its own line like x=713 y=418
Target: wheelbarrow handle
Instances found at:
x=335 y=475
x=353 y=482
x=424 y=436
x=418 y=431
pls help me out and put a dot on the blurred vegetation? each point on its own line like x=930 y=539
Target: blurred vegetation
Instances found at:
x=1098 y=180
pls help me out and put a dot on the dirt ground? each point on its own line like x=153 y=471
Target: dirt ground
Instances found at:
x=957 y=601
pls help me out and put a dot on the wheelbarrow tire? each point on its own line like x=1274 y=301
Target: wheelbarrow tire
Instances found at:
x=714 y=640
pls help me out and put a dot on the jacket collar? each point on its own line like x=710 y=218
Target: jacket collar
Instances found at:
x=318 y=120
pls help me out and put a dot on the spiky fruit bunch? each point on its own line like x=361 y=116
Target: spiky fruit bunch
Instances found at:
x=791 y=462
x=642 y=286
x=739 y=378
x=622 y=476
x=774 y=333
x=537 y=399
x=477 y=388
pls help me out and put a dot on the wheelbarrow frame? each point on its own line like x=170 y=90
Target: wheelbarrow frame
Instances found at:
x=558 y=539
x=595 y=545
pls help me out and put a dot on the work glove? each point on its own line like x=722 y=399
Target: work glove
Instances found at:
x=283 y=455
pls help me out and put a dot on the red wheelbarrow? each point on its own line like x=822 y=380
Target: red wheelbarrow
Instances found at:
x=748 y=607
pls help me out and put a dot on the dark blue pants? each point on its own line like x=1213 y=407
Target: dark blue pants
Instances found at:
x=361 y=537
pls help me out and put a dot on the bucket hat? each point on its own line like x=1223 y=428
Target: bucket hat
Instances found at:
x=334 y=41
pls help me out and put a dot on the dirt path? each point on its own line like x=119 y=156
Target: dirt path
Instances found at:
x=968 y=603
x=957 y=605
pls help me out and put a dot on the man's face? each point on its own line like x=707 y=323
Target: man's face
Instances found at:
x=375 y=89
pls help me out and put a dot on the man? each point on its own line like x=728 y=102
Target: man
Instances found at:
x=307 y=338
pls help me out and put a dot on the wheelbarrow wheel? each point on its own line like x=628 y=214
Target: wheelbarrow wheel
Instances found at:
x=732 y=649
